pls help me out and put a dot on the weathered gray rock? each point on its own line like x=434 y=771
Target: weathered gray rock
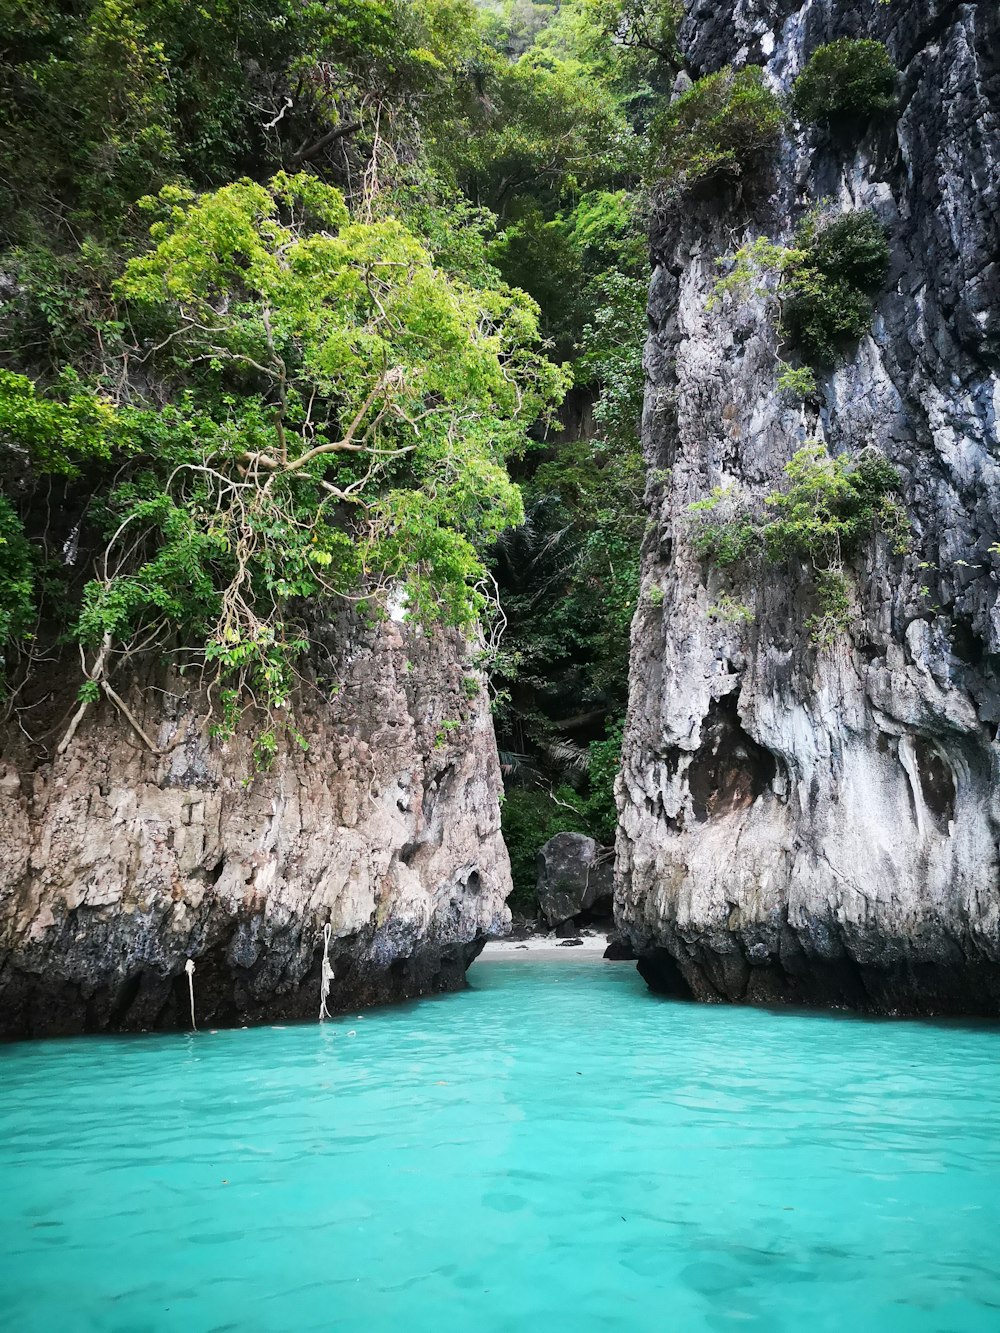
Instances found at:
x=117 y=865
x=800 y=824
x=575 y=875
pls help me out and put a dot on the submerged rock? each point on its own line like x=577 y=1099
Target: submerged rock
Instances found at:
x=619 y=950
x=117 y=865
x=575 y=875
x=821 y=824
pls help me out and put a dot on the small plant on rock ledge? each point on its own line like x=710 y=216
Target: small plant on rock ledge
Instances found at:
x=822 y=288
x=729 y=611
x=444 y=731
x=827 y=508
x=846 y=80
x=798 y=381
x=720 y=128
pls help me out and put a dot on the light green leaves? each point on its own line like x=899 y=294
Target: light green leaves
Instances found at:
x=827 y=507
x=57 y=431
x=342 y=414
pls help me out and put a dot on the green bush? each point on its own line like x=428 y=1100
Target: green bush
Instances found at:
x=851 y=246
x=845 y=80
x=830 y=505
x=723 y=528
x=799 y=381
x=828 y=295
x=826 y=509
x=719 y=128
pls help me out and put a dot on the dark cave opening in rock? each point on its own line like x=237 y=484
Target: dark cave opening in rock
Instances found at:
x=730 y=769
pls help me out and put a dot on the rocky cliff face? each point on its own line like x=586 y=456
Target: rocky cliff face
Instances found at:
x=821 y=825
x=117 y=865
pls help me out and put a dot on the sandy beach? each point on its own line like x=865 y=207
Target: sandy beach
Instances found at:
x=544 y=949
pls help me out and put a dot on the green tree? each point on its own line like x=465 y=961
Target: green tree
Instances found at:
x=336 y=421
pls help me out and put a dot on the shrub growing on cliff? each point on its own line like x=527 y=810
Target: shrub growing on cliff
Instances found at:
x=797 y=381
x=829 y=294
x=846 y=80
x=823 y=286
x=851 y=246
x=827 y=508
x=830 y=505
x=720 y=128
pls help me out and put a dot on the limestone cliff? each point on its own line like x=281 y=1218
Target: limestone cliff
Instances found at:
x=821 y=825
x=117 y=864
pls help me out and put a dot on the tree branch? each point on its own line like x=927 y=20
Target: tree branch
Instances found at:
x=338 y=132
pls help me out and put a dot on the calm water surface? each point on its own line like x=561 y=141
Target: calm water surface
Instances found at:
x=553 y=1149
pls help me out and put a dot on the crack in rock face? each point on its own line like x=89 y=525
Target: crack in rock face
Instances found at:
x=118 y=865
x=820 y=825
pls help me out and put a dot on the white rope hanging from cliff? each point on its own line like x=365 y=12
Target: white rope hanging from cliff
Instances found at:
x=327 y=973
x=189 y=969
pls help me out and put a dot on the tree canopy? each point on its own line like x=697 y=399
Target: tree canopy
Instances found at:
x=291 y=296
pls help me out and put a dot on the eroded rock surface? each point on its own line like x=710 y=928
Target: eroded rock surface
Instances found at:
x=822 y=825
x=117 y=865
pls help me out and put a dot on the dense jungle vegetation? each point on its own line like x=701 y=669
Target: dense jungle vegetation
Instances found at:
x=304 y=301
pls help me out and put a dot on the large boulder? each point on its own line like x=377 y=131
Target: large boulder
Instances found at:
x=575 y=875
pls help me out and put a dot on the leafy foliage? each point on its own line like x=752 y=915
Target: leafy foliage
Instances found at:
x=108 y=100
x=54 y=431
x=799 y=381
x=568 y=579
x=846 y=80
x=530 y=818
x=833 y=614
x=265 y=345
x=644 y=25
x=829 y=506
x=829 y=294
x=340 y=421
x=823 y=286
x=569 y=582
x=851 y=246
x=722 y=127
x=17 y=580
x=730 y=611
x=541 y=124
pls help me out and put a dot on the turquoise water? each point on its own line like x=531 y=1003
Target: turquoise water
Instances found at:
x=553 y=1149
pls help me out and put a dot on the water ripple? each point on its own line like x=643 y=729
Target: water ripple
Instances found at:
x=553 y=1148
